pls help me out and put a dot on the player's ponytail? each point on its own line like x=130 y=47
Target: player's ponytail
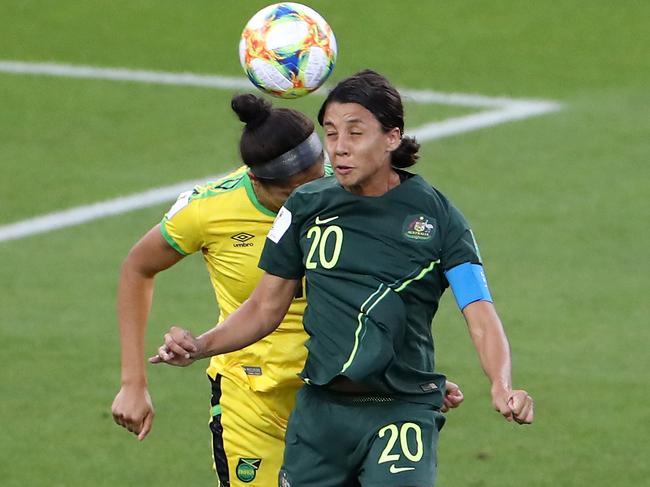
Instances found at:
x=252 y=110
x=406 y=154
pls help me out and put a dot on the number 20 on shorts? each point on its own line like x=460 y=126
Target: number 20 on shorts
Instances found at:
x=401 y=433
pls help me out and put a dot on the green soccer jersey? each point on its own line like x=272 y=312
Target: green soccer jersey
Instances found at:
x=374 y=269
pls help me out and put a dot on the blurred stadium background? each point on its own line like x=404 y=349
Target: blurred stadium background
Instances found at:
x=559 y=203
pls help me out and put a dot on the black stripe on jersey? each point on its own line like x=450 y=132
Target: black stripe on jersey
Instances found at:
x=218 y=451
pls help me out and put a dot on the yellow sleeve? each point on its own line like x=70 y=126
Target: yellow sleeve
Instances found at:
x=181 y=226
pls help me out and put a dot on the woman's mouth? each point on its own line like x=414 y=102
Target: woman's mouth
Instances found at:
x=343 y=169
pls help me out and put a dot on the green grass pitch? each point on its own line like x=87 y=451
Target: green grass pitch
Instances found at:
x=559 y=204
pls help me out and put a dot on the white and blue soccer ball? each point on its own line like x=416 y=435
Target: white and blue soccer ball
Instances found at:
x=287 y=50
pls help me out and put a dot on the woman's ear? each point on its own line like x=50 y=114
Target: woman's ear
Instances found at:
x=393 y=138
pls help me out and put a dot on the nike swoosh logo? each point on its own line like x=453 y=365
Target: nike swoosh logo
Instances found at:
x=325 y=220
x=394 y=469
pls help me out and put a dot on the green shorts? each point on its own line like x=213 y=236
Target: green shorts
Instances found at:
x=339 y=440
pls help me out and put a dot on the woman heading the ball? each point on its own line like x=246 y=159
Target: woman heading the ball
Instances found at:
x=253 y=390
x=378 y=246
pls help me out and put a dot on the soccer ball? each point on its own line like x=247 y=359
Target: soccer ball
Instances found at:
x=287 y=50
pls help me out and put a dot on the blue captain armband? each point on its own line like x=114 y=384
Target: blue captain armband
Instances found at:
x=468 y=283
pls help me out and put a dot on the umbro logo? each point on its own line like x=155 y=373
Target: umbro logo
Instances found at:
x=243 y=239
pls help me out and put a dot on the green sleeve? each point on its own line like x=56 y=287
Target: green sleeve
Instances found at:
x=459 y=245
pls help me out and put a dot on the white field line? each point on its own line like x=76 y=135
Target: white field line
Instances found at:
x=467 y=123
x=122 y=74
x=500 y=110
x=222 y=82
x=94 y=211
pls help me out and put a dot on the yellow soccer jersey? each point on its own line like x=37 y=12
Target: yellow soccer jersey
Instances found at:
x=225 y=221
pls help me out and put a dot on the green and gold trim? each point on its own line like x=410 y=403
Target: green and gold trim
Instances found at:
x=374 y=299
x=169 y=239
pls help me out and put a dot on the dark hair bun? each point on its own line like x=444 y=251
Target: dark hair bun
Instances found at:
x=251 y=109
x=406 y=154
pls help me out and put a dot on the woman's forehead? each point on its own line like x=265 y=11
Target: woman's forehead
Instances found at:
x=347 y=113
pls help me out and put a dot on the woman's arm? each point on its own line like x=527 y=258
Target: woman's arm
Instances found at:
x=493 y=349
x=257 y=317
x=132 y=407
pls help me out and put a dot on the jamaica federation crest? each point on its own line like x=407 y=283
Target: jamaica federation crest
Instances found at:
x=419 y=227
x=247 y=469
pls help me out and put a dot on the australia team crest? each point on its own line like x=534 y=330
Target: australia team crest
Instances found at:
x=419 y=227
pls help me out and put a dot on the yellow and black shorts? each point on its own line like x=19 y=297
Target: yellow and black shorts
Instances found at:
x=248 y=430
